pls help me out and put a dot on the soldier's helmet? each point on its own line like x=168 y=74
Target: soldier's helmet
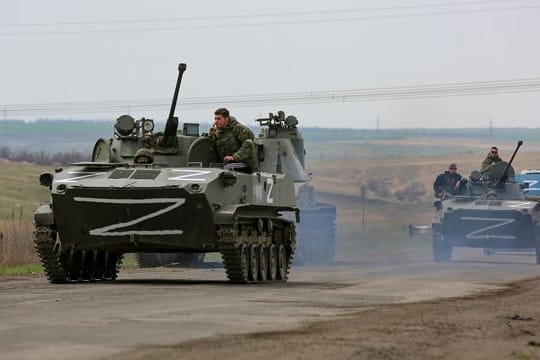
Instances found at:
x=143 y=156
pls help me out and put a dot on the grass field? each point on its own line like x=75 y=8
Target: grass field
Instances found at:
x=20 y=192
x=347 y=176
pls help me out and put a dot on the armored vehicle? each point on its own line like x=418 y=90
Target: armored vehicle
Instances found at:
x=280 y=142
x=316 y=240
x=530 y=177
x=182 y=199
x=489 y=212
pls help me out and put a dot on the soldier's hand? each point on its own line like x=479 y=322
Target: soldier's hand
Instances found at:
x=212 y=131
x=228 y=158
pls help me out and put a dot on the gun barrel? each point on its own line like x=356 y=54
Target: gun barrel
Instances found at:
x=181 y=70
x=172 y=122
x=505 y=173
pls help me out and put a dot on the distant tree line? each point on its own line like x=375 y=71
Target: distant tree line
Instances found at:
x=412 y=192
x=43 y=158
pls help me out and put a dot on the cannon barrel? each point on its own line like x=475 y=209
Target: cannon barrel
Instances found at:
x=172 y=121
x=505 y=173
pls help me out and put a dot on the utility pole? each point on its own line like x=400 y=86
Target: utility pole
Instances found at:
x=363 y=193
x=490 y=128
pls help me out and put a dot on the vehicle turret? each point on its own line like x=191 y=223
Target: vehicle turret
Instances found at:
x=281 y=148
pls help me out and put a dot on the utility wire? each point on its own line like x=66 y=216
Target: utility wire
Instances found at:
x=514 y=86
x=260 y=15
x=268 y=23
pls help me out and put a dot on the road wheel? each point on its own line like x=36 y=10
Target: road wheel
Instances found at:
x=87 y=262
x=99 y=265
x=244 y=262
x=282 y=263
x=110 y=266
x=272 y=262
x=263 y=263
x=253 y=262
x=74 y=265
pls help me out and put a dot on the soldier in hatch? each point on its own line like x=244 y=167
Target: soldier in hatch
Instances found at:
x=491 y=158
x=143 y=156
x=449 y=181
x=234 y=141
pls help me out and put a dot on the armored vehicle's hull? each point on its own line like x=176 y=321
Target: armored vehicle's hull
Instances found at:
x=102 y=211
x=486 y=224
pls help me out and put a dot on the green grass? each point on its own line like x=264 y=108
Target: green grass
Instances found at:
x=520 y=355
x=30 y=269
x=20 y=191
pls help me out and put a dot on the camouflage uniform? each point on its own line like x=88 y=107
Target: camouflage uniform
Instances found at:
x=486 y=164
x=446 y=182
x=236 y=140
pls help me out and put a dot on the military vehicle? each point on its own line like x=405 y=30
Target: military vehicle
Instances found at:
x=316 y=232
x=183 y=200
x=531 y=177
x=489 y=212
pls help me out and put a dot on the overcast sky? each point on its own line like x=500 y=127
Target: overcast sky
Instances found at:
x=78 y=51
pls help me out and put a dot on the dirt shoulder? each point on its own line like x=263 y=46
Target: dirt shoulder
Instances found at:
x=497 y=325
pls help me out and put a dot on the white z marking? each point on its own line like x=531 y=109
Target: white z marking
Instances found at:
x=531 y=183
x=500 y=222
x=269 y=198
x=75 y=178
x=191 y=175
x=519 y=204
x=107 y=230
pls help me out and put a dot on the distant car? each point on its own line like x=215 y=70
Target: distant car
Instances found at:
x=532 y=178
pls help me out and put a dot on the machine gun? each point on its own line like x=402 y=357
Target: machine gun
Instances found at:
x=275 y=122
x=169 y=135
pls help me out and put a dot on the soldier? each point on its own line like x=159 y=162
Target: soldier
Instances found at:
x=234 y=141
x=143 y=156
x=491 y=158
x=449 y=181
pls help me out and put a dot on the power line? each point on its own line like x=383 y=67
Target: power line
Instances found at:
x=269 y=23
x=513 y=86
x=260 y=15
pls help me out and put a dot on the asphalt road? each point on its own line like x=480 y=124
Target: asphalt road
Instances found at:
x=165 y=306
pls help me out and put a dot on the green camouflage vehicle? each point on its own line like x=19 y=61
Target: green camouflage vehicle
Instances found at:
x=183 y=201
x=490 y=212
x=316 y=232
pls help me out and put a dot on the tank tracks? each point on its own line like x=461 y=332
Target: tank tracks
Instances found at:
x=74 y=265
x=257 y=250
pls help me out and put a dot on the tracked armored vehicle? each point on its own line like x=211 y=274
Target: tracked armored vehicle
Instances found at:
x=490 y=212
x=280 y=142
x=316 y=240
x=183 y=201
